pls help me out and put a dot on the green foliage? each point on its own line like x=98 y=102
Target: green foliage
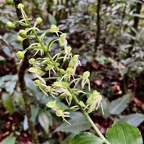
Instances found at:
x=7 y=102
x=54 y=64
x=133 y=119
x=9 y=140
x=123 y=133
x=118 y=105
x=86 y=138
x=78 y=123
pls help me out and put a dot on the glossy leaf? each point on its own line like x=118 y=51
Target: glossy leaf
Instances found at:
x=52 y=19
x=117 y=106
x=34 y=112
x=7 y=102
x=123 y=133
x=44 y=121
x=86 y=138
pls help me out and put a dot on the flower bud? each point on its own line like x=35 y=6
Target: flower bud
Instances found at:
x=48 y=89
x=31 y=61
x=19 y=39
x=20 y=54
x=63 y=36
x=23 y=33
x=20 y=5
x=9 y=24
x=86 y=74
x=37 y=82
x=51 y=104
x=54 y=28
x=68 y=48
x=75 y=57
x=39 y=20
x=35 y=70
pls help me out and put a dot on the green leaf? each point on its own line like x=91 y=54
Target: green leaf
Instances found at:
x=119 y=105
x=7 y=102
x=34 y=112
x=44 y=121
x=2 y=58
x=78 y=123
x=133 y=119
x=10 y=86
x=52 y=19
x=86 y=138
x=19 y=99
x=68 y=138
x=3 y=20
x=9 y=140
x=123 y=133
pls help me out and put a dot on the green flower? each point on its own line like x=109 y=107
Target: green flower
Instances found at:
x=54 y=28
x=85 y=79
x=94 y=101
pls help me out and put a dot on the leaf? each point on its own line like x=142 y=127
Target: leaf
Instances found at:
x=25 y=123
x=9 y=140
x=10 y=86
x=78 y=123
x=3 y=20
x=34 y=112
x=123 y=133
x=119 y=105
x=19 y=99
x=133 y=119
x=86 y=138
x=52 y=19
x=44 y=121
x=2 y=58
x=7 y=102
x=68 y=138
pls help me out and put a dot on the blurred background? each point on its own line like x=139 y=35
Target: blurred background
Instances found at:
x=109 y=37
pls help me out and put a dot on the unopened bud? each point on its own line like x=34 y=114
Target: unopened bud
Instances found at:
x=20 y=5
x=20 y=54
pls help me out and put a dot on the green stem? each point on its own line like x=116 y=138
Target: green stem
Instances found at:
x=90 y=121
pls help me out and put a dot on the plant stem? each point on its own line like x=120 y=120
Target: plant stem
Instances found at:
x=94 y=126
x=98 y=26
x=21 y=73
x=90 y=121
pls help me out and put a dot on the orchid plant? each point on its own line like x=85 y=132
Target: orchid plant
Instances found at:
x=67 y=84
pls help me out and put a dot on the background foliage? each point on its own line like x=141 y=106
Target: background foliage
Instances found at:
x=108 y=36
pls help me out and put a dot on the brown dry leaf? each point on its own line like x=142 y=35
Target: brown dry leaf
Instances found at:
x=94 y=64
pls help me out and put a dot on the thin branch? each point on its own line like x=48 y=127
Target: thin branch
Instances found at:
x=24 y=65
x=98 y=25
